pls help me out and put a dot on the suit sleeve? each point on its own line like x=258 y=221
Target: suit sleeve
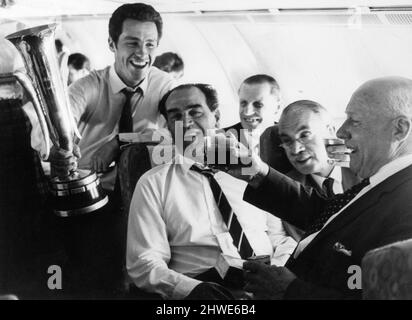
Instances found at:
x=286 y=199
x=398 y=224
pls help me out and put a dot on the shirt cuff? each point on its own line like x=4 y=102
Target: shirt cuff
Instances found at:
x=184 y=287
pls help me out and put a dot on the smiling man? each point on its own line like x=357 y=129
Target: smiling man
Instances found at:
x=180 y=222
x=342 y=229
x=123 y=97
x=259 y=105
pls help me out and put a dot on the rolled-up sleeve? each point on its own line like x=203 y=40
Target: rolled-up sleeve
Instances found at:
x=81 y=93
x=148 y=249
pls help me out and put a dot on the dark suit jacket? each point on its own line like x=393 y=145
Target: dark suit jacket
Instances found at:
x=381 y=216
x=270 y=151
x=348 y=180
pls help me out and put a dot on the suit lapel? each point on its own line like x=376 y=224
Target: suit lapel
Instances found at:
x=358 y=207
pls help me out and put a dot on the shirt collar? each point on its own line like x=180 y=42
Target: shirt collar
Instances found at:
x=335 y=174
x=184 y=162
x=118 y=85
x=390 y=169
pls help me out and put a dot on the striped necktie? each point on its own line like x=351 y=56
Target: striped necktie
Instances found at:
x=240 y=240
x=335 y=204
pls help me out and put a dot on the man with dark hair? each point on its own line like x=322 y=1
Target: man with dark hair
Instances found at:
x=170 y=62
x=259 y=104
x=184 y=219
x=210 y=95
x=79 y=67
x=121 y=98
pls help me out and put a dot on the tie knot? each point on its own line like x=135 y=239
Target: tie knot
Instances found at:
x=206 y=171
x=129 y=92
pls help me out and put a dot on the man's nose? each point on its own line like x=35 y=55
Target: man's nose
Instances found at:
x=297 y=147
x=141 y=50
x=187 y=120
x=248 y=110
x=342 y=132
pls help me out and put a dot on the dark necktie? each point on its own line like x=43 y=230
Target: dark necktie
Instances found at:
x=327 y=186
x=235 y=229
x=335 y=204
x=126 y=120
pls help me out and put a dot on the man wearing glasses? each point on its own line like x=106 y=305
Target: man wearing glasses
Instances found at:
x=304 y=128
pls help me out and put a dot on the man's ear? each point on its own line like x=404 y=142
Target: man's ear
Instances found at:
x=278 y=104
x=401 y=128
x=217 y=117
x=112 y=44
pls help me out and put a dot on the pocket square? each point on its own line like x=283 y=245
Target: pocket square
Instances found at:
x=339 y=247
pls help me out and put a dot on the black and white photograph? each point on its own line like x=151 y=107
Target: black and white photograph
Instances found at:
x=185 y=153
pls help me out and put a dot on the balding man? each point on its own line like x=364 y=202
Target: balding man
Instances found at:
x=304 y=126
x=373 y=213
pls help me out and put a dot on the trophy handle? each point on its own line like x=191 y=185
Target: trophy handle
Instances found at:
x=43 y=117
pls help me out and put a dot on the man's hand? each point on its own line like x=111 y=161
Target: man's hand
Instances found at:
x=251 y=162
x=267 y=282
x=105 y=155
x=338 y=155
x=63 y=162
x=209 y=291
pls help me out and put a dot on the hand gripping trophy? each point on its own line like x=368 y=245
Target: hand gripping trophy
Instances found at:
x=80 y=192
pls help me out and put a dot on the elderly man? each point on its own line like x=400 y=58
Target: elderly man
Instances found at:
x=184 y=219
x=342 y=229
x=259 y=104
x=304 y=127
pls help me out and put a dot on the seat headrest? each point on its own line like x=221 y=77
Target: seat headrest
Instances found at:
x=387 y=272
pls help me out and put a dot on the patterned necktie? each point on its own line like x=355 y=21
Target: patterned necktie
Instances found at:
x=126 y=120
x=327 y=186
x=335 y=204
x=235 y=229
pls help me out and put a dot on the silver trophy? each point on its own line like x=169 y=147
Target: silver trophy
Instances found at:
x=80 y=192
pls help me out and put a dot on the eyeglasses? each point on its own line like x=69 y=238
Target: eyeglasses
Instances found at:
x=304 y=139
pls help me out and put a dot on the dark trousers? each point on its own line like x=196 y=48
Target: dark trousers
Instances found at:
x=95 y=244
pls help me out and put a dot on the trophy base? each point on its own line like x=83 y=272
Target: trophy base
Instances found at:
x=78 y=194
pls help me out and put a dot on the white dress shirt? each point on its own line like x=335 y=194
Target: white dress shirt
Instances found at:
x=383 y=173
x=336 y=175
x=176 y=231
x=96 y=104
